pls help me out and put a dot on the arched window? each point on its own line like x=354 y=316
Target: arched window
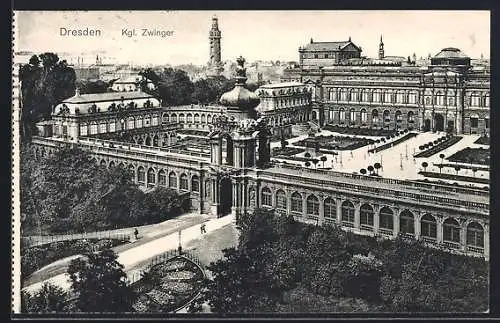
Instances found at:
x=387 y=116
x=399 y=116
x=386 y=220
x=281 y=200
x=451 y=230
x=173 y=117
x=352 y=115
x=266 y=196
x=475 y=235
x=103 y=164
x=376 y=96
x=189 y=118
x=363 y=116
x=196 y=118
x=130 y=123
x=407 y=222
x=428 y=226
x=341 y=115
x=182 y=118
x=427 y=100
x=330 y=208
x=184 y=184
x=203 y=118
x=166 y=117
x=332 y=94
x=296 y=202
x=312 y=205
x=343 y=94
x=151 y=177
x=374 y=116
x=366 y=216
x=195 y=184
x=474 y=120
x=209 y=118
x=141 y=175
x=348 y=213
x=411 y=117
x=131 y=169
x=162 y=178
x=172 y=180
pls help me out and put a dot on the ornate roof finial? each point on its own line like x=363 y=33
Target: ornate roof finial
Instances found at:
x=349 y=38
x=311 y=40
x=241 y=71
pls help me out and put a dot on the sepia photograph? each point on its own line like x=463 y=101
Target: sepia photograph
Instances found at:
x=277 y=162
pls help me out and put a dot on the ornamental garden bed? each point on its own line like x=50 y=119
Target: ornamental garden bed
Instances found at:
x=337 y=142
x=471 y=156
x=483 y=140
x=360 y=131
x=440 y=145
x=464 y=166
x=478 y=180
x=394 y=143
x=34 y=258
x=168 y=286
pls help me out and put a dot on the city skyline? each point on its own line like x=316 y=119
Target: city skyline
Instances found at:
x=256 y=35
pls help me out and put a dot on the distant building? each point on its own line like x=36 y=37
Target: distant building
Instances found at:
x=130 y=83
x=316 y=54
x=214 y=63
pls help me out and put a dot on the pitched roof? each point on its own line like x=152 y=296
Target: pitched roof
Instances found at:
x=451 y=52
x=108 y=96
x=336 y=45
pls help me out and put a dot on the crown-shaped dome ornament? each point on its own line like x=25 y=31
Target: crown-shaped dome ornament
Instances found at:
x=240 y=97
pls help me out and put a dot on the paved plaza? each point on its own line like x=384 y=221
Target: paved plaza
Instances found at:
x=397 y=161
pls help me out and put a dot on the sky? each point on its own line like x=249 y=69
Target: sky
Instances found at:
x=256 y=35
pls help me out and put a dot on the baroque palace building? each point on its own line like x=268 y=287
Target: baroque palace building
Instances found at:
x=448 y=95
x=235 y=174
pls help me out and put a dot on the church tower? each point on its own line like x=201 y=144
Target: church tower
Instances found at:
x=214 y=37
x=381 y=49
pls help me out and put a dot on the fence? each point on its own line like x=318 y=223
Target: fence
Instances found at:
x=32 y=241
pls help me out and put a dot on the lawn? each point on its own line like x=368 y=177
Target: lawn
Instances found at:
x=208 y=248
x=471 y=156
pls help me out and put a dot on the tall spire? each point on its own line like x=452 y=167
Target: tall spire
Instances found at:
x=381 y=54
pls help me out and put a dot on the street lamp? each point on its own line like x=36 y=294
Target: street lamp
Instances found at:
x=180 y=246
x=401 y=161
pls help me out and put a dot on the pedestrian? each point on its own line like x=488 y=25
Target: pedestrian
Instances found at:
x=201 y=229
x=136 y=233
x=204 y=228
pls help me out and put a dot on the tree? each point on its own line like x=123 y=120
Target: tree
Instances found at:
x=100 y=283
x=362 y=171
x=474 y=170
x=377 y=166
x=323 y=160
x=43 y=87
x=370 y=169
x=440 y=166
x=457 y=169
x=307 y=155
x=442 y=157
x=424 y=165
x=315 y=161
x=49 y=299
x=307 y=164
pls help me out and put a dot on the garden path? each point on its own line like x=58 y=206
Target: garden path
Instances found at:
x=139 y=254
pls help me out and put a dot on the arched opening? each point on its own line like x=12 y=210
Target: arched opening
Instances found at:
x=314 y=115
x=266 y=197
x=103 y=163
x=438 y=122
x=155 y=141
x=366 y=217
x=111 y=164
x=364 y=117
x=427 y=125
x=387 y=118
x=348 y=214
x=195 y=184
x=173 y=117
x=141 y=175
x=297 y=203
x=172 y=180
x=411 y=119
x=312 y=206
x=281 y=200
x=227 y=149
x=151 y=177
x=184 y=182
x=131 y=170
x=330 y=208
x=226 y=194
x=428 y=227
x=451 y=231
x=407 y=222
x=162 y=178
x=386 y=221
x=147 y=142
x=475 y=237
x=374 y=116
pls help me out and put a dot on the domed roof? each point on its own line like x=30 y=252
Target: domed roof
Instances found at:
x=450 y=52
x=240 y=97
